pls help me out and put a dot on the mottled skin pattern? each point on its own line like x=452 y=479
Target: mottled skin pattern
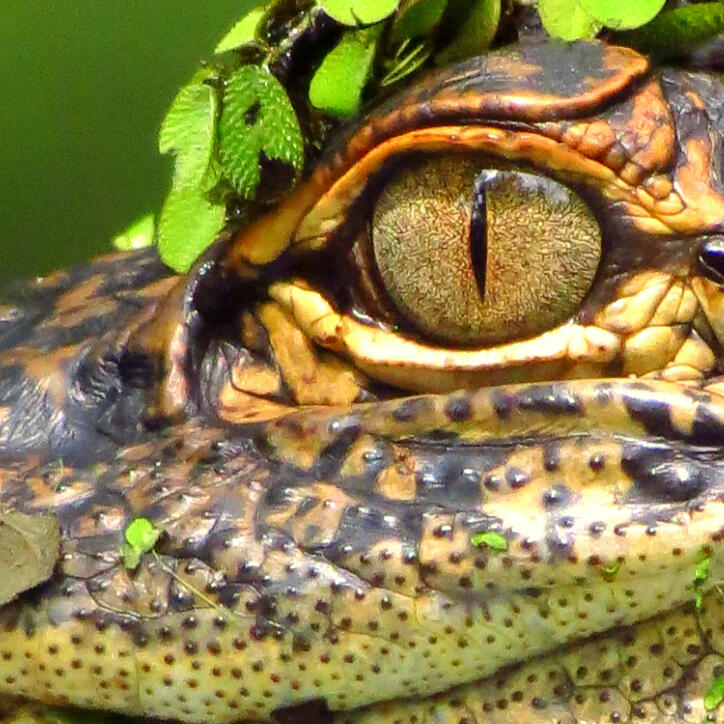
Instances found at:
x=317 y=513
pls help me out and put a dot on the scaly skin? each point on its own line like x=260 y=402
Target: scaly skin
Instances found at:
x=317 y=511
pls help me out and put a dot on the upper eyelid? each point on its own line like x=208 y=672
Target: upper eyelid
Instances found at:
x=490 y=88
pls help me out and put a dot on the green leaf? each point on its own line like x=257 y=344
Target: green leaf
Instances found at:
x=257 y=119
x=475 y=34
x=410 y=56
x=188 y=130
x=141 y=537
x=339 y=81
x=243 y=32
x=137 y=236
x=609 y=573
x=359 y=12
x=491 y=539
x=701 y=572
x=188 y=224
x=623 y=14
x=715 y=695
x=131 y=557
x=417 y=17
x=674 y=33
x=567 y=19
x=141 y=534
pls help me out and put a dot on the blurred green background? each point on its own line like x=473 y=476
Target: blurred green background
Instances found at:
x=84 y=85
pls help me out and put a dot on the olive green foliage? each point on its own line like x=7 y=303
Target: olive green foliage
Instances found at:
x=235 y=118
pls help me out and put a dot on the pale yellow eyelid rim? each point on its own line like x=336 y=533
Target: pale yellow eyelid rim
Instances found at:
x=377 y=348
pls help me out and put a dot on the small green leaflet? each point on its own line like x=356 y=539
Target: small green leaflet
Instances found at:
x=137 y=236
x=701 y=576
x=417 y=17
x=257 y=120
x=141 y=537
x=475 y=34
x=359 y=12
x=188 y=131
x=623 y=14
x=578 y=19
x=701 y=572
x=188 y=224
x=715 y=695
x=609 y=573
x=491 y=539
x=339 y=81
x=410 y=56
x=567 y=19
x=242 y=33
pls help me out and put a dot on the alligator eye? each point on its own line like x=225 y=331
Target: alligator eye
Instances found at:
x=711 y=256
x=471 y=256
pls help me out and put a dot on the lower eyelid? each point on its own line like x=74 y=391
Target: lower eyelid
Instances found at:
x=400 y=361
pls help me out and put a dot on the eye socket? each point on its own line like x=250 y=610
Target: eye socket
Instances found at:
x=477 y=256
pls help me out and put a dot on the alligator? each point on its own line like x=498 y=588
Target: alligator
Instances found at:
x=436 y=439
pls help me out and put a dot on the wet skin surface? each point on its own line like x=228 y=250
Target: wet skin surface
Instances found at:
x=318 y=467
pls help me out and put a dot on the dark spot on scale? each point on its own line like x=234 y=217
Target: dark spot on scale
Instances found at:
x=300 y=643
x=409 y=409
x=555 y=496
x=665 y=475
x=333 y=456
x=567 y=521
x=706 y=429
x=551 y=456
x=458 y=409
x=603 y=394
x=516 y=478
x=555 y=398
x=502 y=404
x=645 y=407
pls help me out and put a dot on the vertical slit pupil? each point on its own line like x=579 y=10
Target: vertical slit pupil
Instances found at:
x=478 y=229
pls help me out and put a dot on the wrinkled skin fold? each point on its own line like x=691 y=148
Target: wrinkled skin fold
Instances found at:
x=320 y=471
